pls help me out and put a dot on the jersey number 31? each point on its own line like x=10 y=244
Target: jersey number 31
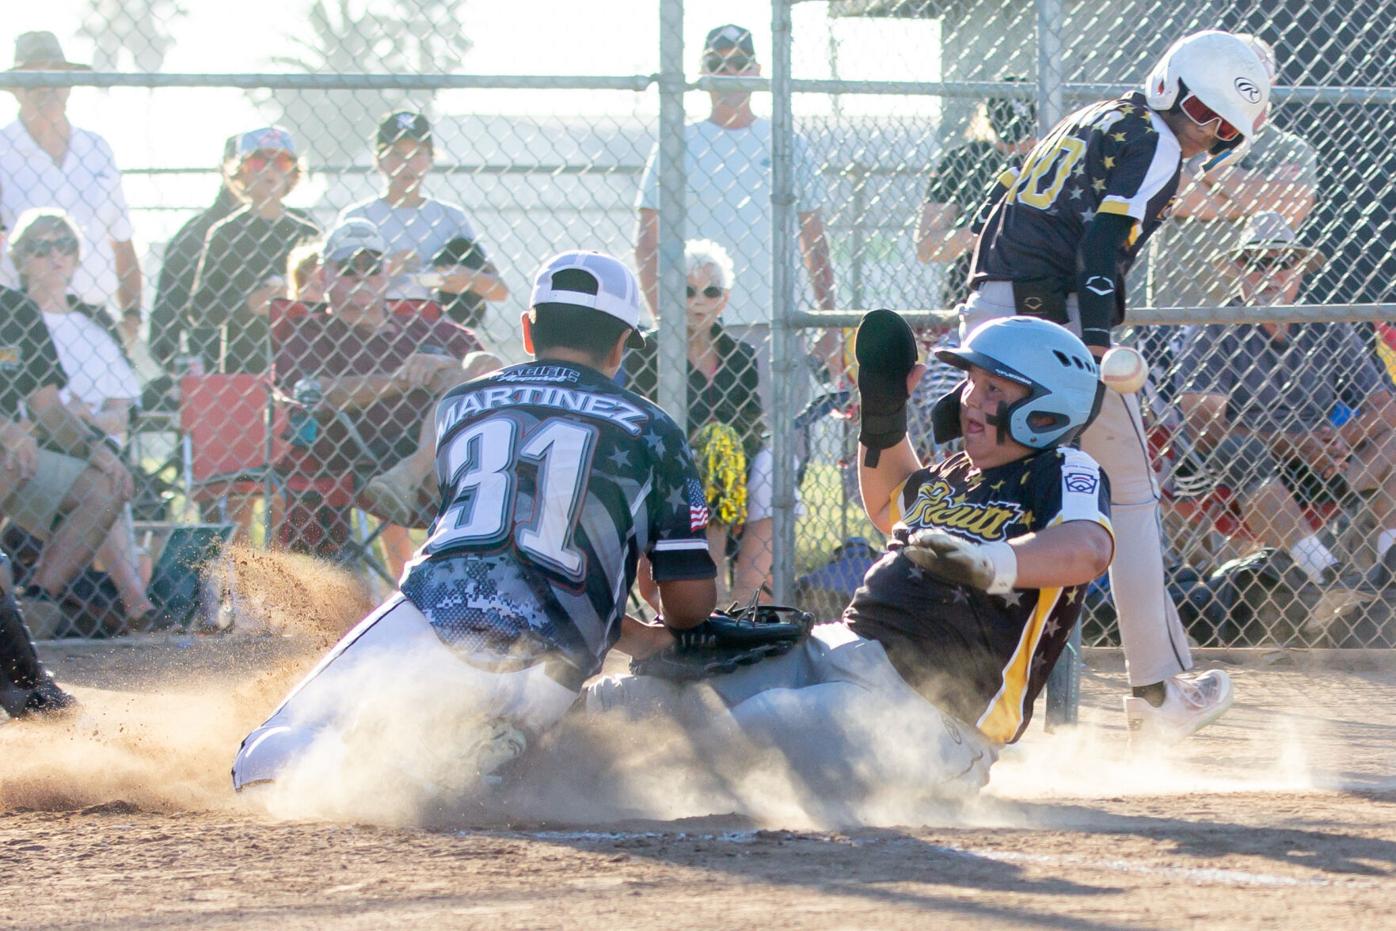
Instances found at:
x=482 y=462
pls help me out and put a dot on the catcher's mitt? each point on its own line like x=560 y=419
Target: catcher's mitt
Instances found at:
x=726 y=641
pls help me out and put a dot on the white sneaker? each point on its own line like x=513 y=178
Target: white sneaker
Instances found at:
x=1193 y=701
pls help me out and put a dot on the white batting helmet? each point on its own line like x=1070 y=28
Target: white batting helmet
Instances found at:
x=1213 y=75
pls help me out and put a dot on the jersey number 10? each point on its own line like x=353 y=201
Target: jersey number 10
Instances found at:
x=1045 y=173
x=482 y=464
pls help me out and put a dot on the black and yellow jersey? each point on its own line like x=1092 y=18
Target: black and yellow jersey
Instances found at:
x=1114 y=157
x=980 y=657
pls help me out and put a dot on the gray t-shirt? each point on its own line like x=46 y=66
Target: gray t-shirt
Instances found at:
x=729 y=202
x=1183 y=270
x=423 y=230
x=1287 y=384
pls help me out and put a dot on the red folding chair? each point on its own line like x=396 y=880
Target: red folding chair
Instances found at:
x=230 y=437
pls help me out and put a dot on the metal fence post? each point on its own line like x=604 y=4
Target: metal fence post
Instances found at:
x=673 y=184
x=1063 y=692
x=784 y=369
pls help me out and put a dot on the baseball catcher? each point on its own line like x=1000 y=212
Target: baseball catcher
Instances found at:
x=937 y=660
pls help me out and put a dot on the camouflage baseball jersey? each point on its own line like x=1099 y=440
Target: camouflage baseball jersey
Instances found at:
x=980 y=657
x=1117 y=156
x=554 y=480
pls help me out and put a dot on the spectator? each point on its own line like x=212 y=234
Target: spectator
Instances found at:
x=417 y=227
x=1278 y=173
x=305 y=278
x=168 y=319
x=46 y=161
x=243 y=264
x=722 y=389
x=1289 y=415
x=59 y=478
x=377 y=372
x=961 y=182
x=102 y=388
x=728 y=166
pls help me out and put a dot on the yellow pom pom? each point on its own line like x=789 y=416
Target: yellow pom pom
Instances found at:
x=722 y=469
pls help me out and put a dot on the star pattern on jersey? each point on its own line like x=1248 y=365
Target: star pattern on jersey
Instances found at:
x=959 y=595
x=1098 y=185
x=656 y=444
x=1039 y=662
x=1087 y=215
x=997 y=486
x=619 y=458
x=1109 y=161
x=916 y=572
x=1024 y=479
x=676 y=499
x=1118 y=137
x=1011 y=597
x=1052 y=627
x=1076 y=193
x=1071 y=596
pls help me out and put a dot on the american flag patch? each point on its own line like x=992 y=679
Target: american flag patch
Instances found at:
x=697 y=506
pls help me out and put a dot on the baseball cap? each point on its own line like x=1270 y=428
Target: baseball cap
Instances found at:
x=403 y=124
x=730 y=37
x=273 y=138
x=1269 y=233
x=352 y=237
x=616 y=291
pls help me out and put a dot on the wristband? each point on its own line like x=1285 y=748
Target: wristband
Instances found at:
x=1005 y=563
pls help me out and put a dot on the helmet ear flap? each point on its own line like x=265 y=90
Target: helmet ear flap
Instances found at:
x=945 y=415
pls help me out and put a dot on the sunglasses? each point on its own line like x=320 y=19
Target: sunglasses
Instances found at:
x=42 y=248
x=260 y=161
x=1265 y=263
x=1203 y=115
x=716 y=63
x=361 y=265
x=711 y=291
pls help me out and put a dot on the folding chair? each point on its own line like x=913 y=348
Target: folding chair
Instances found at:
x=230 y=435
x=321 y=515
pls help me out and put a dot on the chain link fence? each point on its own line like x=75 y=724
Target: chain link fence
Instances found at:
x=835 y=167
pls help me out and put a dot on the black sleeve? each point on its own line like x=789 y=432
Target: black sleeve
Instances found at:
x=1097 y=287
x=210 y=304
x=172 y=292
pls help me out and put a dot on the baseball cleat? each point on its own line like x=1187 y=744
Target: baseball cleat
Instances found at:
x=46 y=700
x=1191 y=702
x=502 y=743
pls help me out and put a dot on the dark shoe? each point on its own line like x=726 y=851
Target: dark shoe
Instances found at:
x=46 y=700
x=1383 y=575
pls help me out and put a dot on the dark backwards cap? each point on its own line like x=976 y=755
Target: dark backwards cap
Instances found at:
x=403 y=125
x=729 y=37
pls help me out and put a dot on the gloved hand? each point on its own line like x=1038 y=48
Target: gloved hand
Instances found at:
x=989 y=567
x=726 y=641
x=885 y=349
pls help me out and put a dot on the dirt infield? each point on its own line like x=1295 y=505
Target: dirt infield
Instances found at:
x=1284 y=814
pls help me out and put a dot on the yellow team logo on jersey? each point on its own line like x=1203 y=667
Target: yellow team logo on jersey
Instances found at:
x=937 y=507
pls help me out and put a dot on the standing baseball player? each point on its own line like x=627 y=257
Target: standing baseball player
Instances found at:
x=554 y=481
x=956 y=628
x=1058 y=245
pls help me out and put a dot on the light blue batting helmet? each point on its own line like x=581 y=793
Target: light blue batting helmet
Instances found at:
x=1061 y=375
